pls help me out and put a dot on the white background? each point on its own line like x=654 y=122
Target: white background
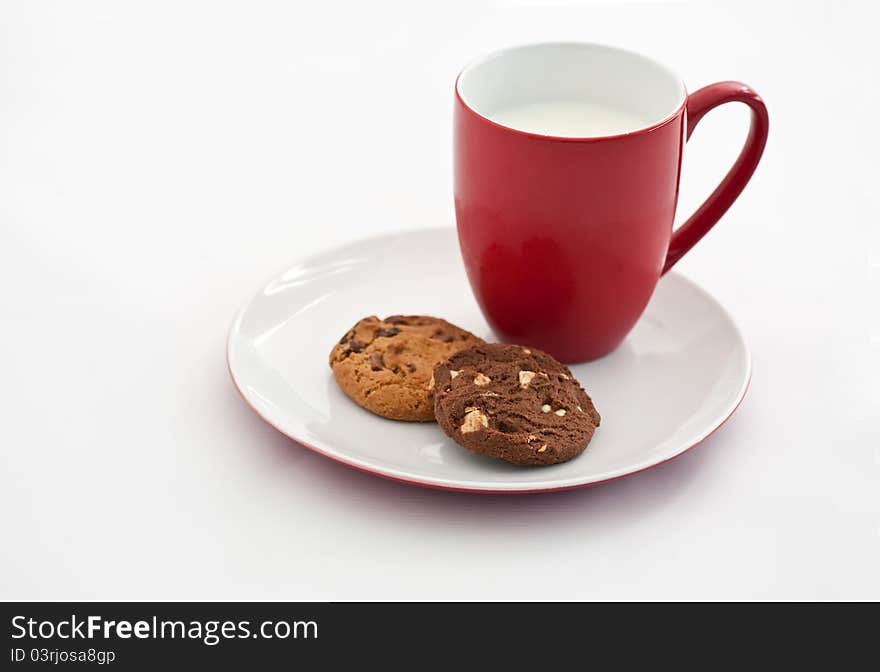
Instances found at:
x=160 y=160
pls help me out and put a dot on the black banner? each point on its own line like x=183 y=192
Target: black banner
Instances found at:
x=135 y=636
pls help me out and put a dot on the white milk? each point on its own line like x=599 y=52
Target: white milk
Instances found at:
x=568 y=118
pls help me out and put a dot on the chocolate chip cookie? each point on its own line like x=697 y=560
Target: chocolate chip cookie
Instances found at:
x=513 y=403
x=386 y=365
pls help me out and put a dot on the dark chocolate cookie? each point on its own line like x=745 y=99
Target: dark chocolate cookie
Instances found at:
x=386 y=365
x=513 y=403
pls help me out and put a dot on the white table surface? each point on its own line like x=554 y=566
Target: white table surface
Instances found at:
x=158 y=161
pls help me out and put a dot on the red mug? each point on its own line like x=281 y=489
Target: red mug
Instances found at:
x=565 y=234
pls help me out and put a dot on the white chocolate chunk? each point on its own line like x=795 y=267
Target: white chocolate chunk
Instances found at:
x=480 y=380
x=525 y=377
x=474 y=420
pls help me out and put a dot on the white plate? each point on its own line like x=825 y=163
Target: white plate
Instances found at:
x=676 y=378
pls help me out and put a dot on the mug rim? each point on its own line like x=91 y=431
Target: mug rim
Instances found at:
x=567 y=138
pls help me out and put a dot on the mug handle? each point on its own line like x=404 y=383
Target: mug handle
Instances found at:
x=698 y=103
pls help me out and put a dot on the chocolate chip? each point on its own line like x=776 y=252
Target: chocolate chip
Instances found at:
x=443 y=336
x=395 y=319
x=346 y=338
x=508 y=427
x=411 y=367
x=376 y=362
x=355 y=346
x=389 y=332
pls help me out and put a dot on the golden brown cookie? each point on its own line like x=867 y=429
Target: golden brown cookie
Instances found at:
x=387 y=365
